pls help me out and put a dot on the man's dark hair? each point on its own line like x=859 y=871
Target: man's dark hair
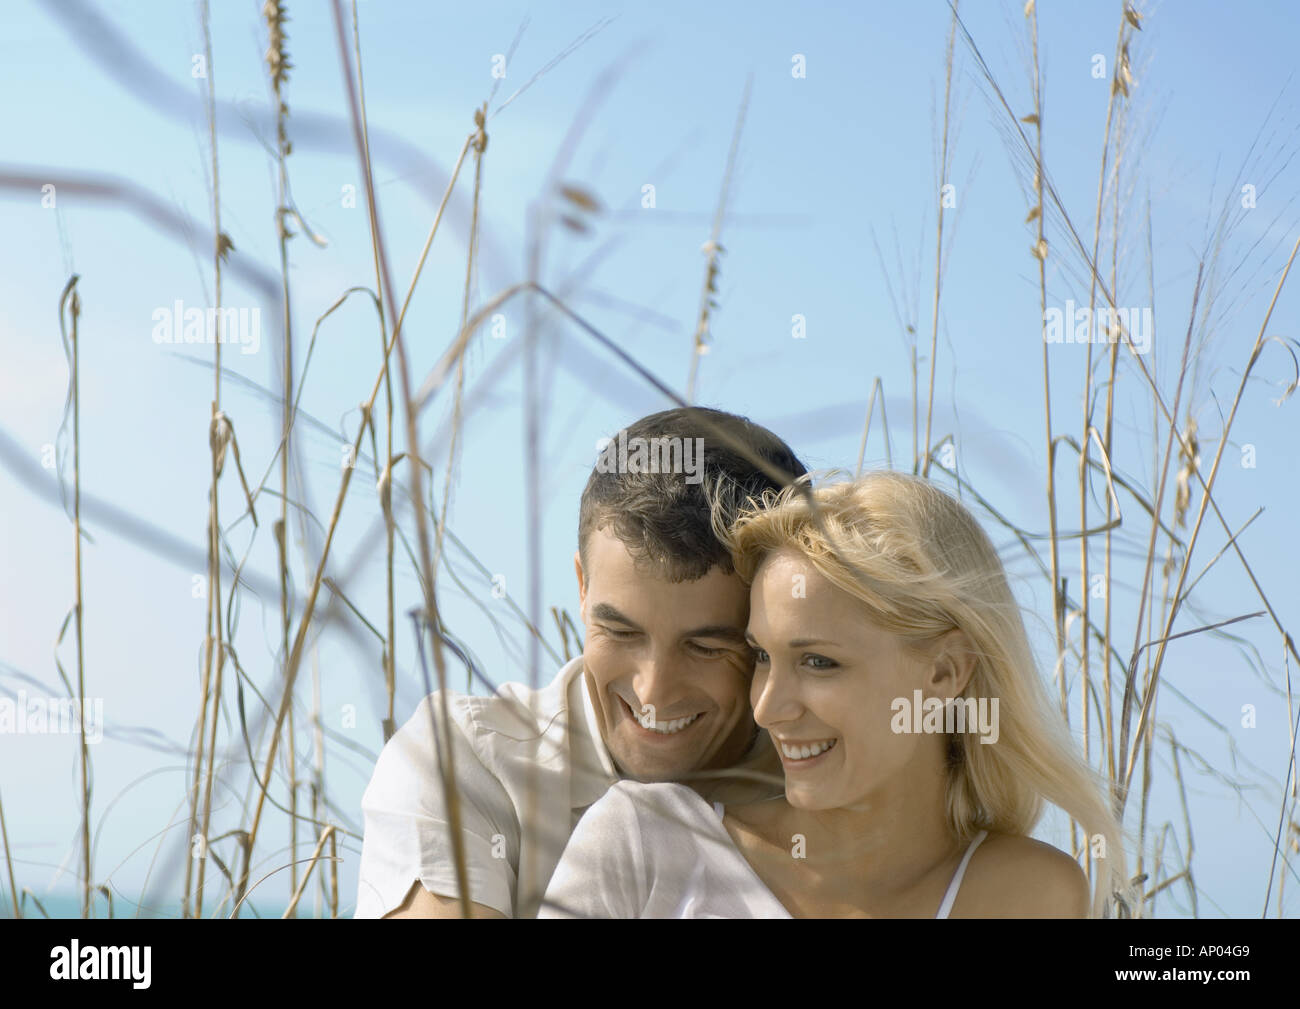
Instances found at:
x=665 y=519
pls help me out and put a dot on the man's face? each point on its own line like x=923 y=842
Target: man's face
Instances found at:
x=666 y=664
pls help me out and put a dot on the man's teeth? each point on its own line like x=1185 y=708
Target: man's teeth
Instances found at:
x=805 y=752
x=668 y=728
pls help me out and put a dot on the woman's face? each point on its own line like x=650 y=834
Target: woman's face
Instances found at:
x=825 y=682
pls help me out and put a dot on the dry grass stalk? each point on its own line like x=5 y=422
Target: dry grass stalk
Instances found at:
x=1146 y=717
x=219 y=434
x=877 y=388
x=1121 y=764
x=1040 y=252
x=480 y=145
x=426 y=567
x=944 y=167
x=70 y=304
x=326 y=835
x=309 y=605
x=383 y=480
x=1085 y=593
x=9 y=863
x=713 y=250
x=1206 y=499
x=278 y=66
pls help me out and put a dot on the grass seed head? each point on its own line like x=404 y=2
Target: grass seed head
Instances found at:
x=277 y=55
x=219 y=435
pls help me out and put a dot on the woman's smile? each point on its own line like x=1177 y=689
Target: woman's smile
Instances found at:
x=800 y=755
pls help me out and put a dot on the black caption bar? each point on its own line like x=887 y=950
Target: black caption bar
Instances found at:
x=249 y=958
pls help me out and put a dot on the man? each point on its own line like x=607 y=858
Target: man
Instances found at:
x=660 y=693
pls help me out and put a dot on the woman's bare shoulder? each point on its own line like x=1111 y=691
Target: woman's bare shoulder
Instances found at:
x=1012 y=876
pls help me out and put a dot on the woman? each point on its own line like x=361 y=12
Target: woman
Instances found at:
x=894 y=676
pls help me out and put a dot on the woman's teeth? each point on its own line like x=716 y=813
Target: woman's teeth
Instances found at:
x=806 y=752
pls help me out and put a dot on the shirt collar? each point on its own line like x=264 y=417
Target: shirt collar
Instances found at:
x=593 y=768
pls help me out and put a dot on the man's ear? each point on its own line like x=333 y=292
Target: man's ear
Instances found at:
x=582 y=581
x=952 y=661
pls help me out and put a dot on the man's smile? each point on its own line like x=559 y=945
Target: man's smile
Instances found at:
x=659 y=729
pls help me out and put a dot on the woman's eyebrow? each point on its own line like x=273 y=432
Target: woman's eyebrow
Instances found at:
x=797 y=643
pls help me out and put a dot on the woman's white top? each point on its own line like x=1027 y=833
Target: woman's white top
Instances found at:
x=660 y=851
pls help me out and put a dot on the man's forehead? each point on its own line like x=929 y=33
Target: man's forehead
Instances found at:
x=607 y=554
x=640 y=592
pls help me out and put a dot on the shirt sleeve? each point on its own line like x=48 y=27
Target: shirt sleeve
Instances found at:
x=602 y=873
x=407 y=834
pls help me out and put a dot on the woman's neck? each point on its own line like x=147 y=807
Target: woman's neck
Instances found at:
x=880 y=845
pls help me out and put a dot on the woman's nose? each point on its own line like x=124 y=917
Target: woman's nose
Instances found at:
x=774 y=696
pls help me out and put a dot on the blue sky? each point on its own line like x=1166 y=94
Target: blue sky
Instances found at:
x=831 y=167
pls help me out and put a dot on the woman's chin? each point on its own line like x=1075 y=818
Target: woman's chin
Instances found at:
x=804 y=797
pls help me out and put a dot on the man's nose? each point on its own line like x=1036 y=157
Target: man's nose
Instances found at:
x=657 y=680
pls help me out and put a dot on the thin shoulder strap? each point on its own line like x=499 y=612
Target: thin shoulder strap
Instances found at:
x=951 y=896
x=718 y=808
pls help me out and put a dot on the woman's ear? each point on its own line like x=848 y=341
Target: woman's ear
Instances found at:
x=952 y=662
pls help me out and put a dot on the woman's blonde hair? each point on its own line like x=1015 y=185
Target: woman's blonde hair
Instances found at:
x=922 y=566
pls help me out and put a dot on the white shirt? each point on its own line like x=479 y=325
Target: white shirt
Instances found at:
x=528 y=764
x=660 y=851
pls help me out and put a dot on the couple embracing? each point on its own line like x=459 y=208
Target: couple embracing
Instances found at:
x=736 y=739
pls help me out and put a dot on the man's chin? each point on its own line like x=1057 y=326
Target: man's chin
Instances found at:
x=640 y=766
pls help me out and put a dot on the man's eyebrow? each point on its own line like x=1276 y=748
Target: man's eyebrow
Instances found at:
x=724 y=631
x=604 y=611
